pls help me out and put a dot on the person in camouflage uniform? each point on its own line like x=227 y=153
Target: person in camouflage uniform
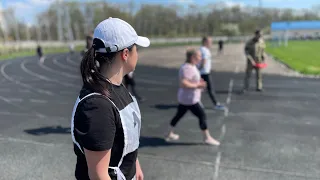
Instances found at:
x=254 y=51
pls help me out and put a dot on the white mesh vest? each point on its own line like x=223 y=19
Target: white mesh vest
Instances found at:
x=131 y=123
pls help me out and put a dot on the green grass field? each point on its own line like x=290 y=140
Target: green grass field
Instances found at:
x=303 y=56
x=32 y=52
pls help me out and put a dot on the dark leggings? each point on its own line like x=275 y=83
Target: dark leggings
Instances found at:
x=210 y=89
x=196 y=109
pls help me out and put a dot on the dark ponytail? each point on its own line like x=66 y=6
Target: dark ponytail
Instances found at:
x=91 y=66
x=90 y=70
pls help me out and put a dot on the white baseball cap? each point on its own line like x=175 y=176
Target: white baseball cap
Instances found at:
x=116 y=35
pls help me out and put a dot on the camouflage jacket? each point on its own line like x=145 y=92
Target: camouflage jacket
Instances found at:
x=255 y=49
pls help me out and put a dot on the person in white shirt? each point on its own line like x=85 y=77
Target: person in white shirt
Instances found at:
x=205 y=70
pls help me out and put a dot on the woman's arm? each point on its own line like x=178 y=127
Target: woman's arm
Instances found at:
x=95 y=127
x=187 y=84
x=98 y=164
x=139 y=173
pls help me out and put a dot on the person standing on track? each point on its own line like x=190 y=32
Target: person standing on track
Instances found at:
x=129 y=81
x=205 y=70
x=39 y=51
x=106 y=119
x=189 y=97
x=220 y=48
x=254 y=51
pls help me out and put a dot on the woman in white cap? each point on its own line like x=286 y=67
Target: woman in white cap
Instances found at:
x=106 y=120
x=189 y=97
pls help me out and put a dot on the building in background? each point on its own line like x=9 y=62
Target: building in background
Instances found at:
x=295 y=30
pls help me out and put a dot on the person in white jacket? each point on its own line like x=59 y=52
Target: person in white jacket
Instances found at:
x=205 y=70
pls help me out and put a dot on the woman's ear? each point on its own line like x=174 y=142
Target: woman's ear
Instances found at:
x=125 y=55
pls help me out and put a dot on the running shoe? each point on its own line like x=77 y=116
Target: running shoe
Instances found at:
x=172 y=137
x=219 y=107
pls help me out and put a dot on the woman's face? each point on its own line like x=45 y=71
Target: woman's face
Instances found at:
x=197 y=57
x=130 y=59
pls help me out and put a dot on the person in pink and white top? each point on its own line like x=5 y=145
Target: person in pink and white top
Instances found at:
x=189 y=97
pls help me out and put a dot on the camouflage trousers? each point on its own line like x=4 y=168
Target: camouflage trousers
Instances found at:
x=248 y=75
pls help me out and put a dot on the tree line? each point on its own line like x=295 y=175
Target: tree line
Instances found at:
x=65 y=21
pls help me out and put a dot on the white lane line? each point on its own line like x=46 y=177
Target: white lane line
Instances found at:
x=155 y=82
x=7 y=113
x=23 y=67
x=5 y=90
x=223 y=128
x=15 y=100
x=15 y=114
x=72 y=62
x=223 y=132
x=226 y=112
x=24 y=91
x=229 y=91
x=236 y=70
x=42 y=65
x=68 y=93
x=22 y=107
x=185 y=161
x=38 y=101
x=5 y=75
x=159 y=89
x=227 y=166
x=10 y=139
x=41 y=101
x=217 y=166
x=64 y=66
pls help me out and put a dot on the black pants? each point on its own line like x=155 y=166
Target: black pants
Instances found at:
x=210 y=89
x=196 y=109
x=130 y=82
